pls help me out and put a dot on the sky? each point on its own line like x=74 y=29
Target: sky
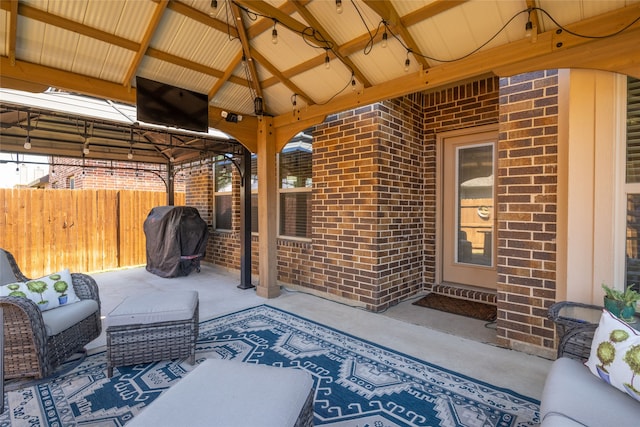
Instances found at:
x=26 y=173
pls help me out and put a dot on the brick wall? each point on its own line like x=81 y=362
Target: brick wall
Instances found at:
x=527 y=205
x=374 y=202
x=108 y=175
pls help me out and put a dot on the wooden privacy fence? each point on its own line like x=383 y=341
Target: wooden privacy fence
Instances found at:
x=83 y=230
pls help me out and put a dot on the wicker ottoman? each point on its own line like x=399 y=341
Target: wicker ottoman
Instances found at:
x=234 y=394
x=153 y=327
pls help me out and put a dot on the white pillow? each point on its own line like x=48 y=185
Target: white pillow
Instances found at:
x=47 y=292
x=615 y=354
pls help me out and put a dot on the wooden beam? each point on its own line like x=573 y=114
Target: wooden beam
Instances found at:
x=612 y=54
x=313 y=22
x=144 y=44
x=226 y=76
x=386 y=10
x=76 y=27
x=39 y=74
x=246 y=48
x=176 y=60
x=203 y=18
x=429 y=11
x=288 y=83
x=13 y=31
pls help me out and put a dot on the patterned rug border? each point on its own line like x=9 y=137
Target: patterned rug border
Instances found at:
x=389 y=349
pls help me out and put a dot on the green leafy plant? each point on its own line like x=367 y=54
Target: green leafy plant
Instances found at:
x=606 y=354
x=38 y=287
x=632 y=358
x=61 y=287
x=15 y=291
x=627 y=297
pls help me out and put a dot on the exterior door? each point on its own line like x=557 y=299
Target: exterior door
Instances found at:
x=468 y=209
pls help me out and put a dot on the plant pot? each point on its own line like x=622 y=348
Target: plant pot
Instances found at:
x=620 y=309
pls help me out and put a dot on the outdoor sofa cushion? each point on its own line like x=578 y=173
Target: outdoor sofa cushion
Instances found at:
x=573 y=396
x=66 y=316
x=153 y=308
x=233 y=394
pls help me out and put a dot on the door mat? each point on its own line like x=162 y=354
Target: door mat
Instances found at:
x=474 y=309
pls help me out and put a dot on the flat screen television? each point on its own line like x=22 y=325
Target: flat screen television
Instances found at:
x=168 y=105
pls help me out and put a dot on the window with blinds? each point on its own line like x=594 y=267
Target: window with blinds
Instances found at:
x=633 y=130
x=294 y=171
x=223 y=177
x=632 y=267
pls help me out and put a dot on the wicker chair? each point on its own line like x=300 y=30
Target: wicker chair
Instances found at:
x=28 y=351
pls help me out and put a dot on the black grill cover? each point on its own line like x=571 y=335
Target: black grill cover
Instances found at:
x=174 y=232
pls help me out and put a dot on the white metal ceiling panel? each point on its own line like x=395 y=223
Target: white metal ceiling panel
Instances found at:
x=405 y=7
x=175 y=75
x=136 y=16
x=327 y=84
x=88 y=50
x=73 y=10
x=278 y=100
x=59 y=48
x=30 y=41
x=382 y=64
x=348 y=25
x=235 y=98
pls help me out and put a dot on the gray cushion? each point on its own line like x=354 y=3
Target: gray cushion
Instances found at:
x=571 y=390
x=6 y=273
x=65 y=316
x=230 y=394
x=154 y=307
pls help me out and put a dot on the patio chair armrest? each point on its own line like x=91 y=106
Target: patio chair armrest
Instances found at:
x=85 y=287
x=23 y=328
x=20 y=277
x=576 y=342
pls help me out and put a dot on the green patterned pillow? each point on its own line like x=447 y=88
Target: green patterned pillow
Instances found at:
x=47 y=292
x=615 y=354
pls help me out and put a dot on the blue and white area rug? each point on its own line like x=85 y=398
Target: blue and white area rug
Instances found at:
x=357 y=383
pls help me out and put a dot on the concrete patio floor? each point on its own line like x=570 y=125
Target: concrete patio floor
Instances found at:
x=454 y=342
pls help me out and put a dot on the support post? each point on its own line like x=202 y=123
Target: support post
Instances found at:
x=267 y=208
x=245 y=220
x=170 y=184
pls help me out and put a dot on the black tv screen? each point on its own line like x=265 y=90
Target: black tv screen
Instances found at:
x=168 y=105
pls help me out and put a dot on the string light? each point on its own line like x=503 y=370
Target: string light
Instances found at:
x=407 y=62
x=327 y=60
x=353 y=83
x=214 y=7
x=385 y=36
x=294 y=102
x=85 y=149
x=27 y=141
x=338 y=7
x=274 y=33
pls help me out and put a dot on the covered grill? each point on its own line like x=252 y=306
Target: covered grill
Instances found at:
x=176 y=240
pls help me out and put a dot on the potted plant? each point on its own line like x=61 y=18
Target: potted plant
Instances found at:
x=621 y=304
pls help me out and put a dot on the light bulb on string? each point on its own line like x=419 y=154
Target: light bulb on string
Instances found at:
x=274 y=33
x=528 y=29
x=353 y=83
x=407 y=62
x=27 y=143
x=385 y=37
x=214 y=7
x=130 y=155
x=338 y=7
x=327 y=60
